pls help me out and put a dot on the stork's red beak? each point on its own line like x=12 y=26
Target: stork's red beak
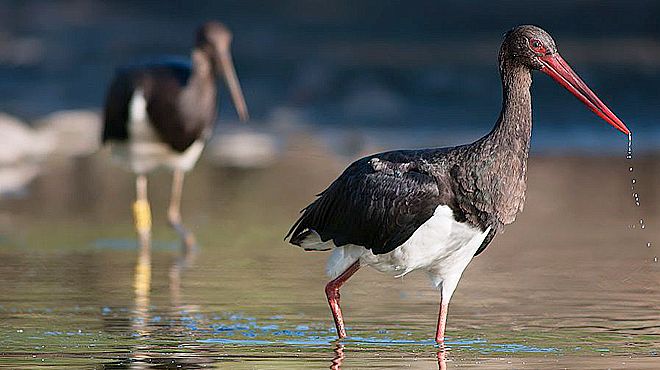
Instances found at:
x=557 y=68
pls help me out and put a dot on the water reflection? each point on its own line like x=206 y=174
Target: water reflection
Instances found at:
x=249 y=301
x=339 y=357
x=338 y=360
x=145 y=323
x=441 y=356
x=141 y=319
x=142 y=288
x=182 y=263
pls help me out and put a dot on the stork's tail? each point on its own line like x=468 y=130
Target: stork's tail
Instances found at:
x=310 y=240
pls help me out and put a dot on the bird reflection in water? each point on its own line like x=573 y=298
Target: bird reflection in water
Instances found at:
x=338 y=359
x=183 y=262
x=141 y=356
x=442 y=358
x=142 y=289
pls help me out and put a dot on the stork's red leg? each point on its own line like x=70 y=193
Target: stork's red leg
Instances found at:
x=332 y=292
x=442 y=356
x=442 y=320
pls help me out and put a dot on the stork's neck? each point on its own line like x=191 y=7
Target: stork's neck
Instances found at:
x=198 y=96
x=502 y=154
x=513 y=129
x=202 y=81
x=202 y=65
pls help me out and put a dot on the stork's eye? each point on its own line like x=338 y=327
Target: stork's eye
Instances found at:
x=537 y=46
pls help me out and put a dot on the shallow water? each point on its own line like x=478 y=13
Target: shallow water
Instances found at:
x=569 y=285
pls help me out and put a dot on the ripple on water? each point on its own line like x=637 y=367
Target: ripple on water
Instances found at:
x=251 y=333
x=70 y=301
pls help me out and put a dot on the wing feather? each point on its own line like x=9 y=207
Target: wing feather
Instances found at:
x=117 y=104
x=163 y=84
x=374 y=203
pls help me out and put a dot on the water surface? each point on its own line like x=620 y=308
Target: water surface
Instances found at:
x=568 y=285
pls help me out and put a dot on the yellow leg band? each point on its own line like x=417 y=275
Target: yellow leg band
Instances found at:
x=142 y=214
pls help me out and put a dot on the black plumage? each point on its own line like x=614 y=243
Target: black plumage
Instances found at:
x=380 y=206
x=117 y=105
x=380 y=201
x=160 y=114
x=181 y=96
x=162 y=85
x=374 y=203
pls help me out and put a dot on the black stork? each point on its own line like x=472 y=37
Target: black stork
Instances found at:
x=161 y=114
x=435 y=209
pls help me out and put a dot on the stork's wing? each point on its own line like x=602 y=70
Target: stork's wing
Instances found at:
x=116 y=108
x=176 y=127
x=161 y=83
x=375 y=203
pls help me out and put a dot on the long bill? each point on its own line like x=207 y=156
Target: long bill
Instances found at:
x=557 y=68
x=229 y=74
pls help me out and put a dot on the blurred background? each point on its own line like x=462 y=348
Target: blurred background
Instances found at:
x=417 y=73
x=325 y=81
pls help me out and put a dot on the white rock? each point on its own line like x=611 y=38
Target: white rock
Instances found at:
x=76 y=132
x=19 y=142
x=243 y=149
x=14 y=178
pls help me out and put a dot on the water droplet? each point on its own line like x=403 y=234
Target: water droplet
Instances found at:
x=635 y=194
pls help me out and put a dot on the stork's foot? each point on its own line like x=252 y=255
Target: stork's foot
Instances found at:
x=332 y=292
x=187 y=238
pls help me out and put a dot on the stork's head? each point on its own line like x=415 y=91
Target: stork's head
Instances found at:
x=526 y=45
x=214 y=40
x=534 y=48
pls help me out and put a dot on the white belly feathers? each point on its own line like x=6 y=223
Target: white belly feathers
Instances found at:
x=441 y=246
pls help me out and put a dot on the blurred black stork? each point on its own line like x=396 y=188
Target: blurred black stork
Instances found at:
x=435 y=209
x=161 y=114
